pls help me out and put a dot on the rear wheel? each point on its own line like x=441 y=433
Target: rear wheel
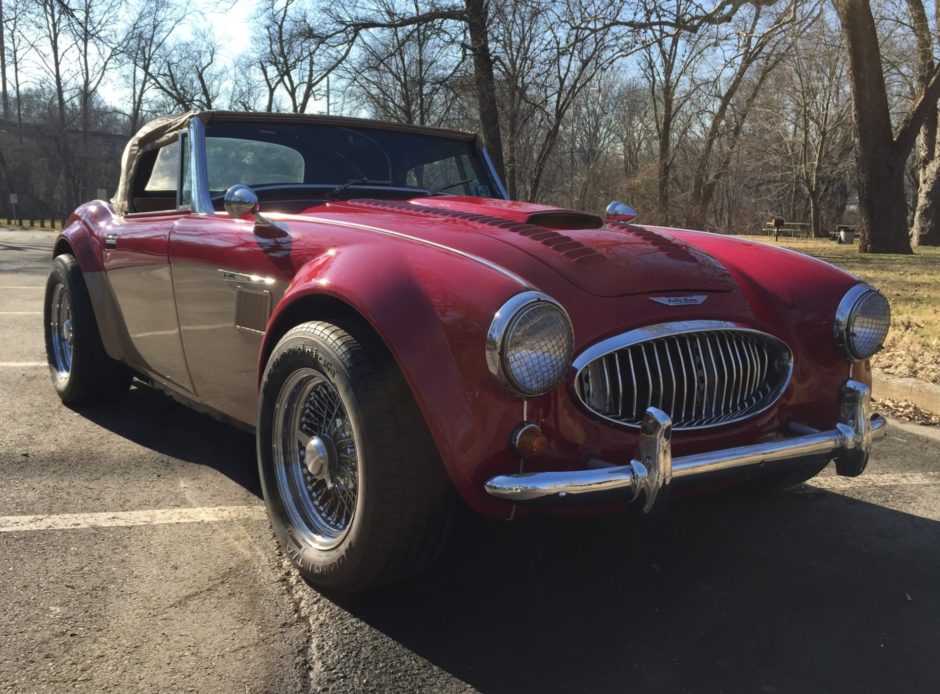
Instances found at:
x=81 y=370
x=356 y=493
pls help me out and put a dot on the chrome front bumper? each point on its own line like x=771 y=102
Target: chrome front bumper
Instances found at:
x=647 y=478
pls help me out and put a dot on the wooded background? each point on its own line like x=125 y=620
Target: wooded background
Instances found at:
x=713 y=114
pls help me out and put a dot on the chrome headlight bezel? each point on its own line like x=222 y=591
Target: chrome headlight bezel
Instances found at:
x=500 y=332
x=845 y=316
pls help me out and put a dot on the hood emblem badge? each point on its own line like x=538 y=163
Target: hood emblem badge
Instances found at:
x=693 y=300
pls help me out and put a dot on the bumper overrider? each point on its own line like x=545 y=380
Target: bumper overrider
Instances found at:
x=647 y=478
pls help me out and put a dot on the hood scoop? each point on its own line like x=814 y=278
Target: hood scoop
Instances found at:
x=565 y=219
x=540 y=232
x=601 y=259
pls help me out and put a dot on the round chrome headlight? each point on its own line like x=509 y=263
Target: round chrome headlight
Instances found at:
x=529 y=344
x=862 y=321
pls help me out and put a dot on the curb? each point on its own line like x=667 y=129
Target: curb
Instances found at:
x=925 y=395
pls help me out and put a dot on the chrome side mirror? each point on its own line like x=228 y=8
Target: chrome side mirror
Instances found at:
x=241 y=202
x=620 y=212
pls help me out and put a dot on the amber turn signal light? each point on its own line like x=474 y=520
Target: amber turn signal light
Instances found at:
x=528 y=440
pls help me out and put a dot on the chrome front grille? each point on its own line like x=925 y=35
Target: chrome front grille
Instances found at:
x=701 y=373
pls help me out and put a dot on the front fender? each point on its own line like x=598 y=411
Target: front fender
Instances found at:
x=432 y=310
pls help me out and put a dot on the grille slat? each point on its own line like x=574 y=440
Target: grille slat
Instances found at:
x=659 y=374
x=608 y=391
x=685 y=381
x=740 y=375
x=633 y=412
x=700 y=378
x=616 y=361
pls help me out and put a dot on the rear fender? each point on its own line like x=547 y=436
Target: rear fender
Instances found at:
x=80 y=239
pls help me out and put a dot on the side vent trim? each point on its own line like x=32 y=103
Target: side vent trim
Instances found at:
x=252 y=309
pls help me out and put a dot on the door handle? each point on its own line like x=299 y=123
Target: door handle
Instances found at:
x=110 y=240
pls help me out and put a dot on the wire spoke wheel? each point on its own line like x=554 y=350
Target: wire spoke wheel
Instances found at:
x=316 y=461
x=60 y=324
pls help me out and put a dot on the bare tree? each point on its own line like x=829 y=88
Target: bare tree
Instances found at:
x=803 y=129
x=881 y=151
x=4 y=95
x=408 y=74
x=757 y=48
x=670 y=62
x=925 y=230
x=14 y=17
x=589 y=18
x=292 y=60
x=151 y=28
x=188 y=75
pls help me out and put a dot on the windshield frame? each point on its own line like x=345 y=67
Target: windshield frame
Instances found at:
x=202 y=196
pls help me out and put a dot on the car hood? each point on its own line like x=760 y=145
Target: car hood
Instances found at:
x=601 y=259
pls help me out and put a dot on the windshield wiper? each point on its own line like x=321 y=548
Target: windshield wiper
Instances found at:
x=355 y=182
x=438 y=191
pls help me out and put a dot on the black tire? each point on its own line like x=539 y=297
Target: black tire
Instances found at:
x=403 y=499
x=82 y=372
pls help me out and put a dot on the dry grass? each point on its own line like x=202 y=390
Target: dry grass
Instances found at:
x=912 y=285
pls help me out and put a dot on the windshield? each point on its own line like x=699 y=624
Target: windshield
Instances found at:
x=263 y=154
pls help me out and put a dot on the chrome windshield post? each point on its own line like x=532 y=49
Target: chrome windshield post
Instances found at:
x=198 y=175
x=481 y=148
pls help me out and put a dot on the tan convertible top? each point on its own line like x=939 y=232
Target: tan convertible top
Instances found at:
x=154 y=134
x=162 y=131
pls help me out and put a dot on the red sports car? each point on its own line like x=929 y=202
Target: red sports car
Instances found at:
x=365 y=298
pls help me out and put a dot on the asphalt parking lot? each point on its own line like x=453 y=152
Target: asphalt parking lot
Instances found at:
x=135 y=556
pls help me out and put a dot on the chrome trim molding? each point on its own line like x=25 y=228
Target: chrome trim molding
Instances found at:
x=665 y=330
x=692 y=300
x=650 y=471
x=503 y=320
x=844 y=314
x=417 y=239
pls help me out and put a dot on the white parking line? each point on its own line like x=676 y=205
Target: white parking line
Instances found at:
x=16 y=364
x=125 y=519
x=19 y=286
x=20 y=313
x=904 y=479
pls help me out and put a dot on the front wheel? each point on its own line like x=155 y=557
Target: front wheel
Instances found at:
x=356 y=493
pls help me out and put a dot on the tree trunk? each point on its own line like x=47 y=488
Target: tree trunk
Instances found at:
x=926 y=229
x=4 y=95
x=814 y=215
x=880 y=164
x=477 y=27
x=665 y=162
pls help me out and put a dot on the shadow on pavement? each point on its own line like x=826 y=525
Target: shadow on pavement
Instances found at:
x=150 y=418
x=786 y=592
x=781 y=592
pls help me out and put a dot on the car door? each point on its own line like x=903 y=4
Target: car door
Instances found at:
x=227 y=281
x=138 y=269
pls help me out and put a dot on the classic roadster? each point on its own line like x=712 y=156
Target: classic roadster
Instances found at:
x=365 y=298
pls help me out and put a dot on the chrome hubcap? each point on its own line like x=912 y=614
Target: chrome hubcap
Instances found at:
x=60 y=324
x=316 y=463
x=317 y=458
